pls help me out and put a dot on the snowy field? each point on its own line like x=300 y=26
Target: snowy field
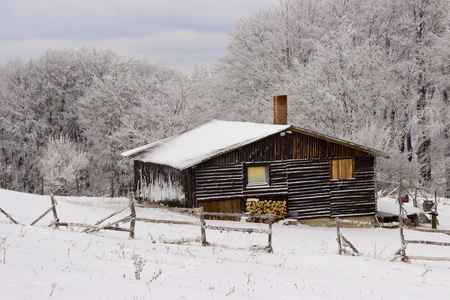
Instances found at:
x=39 y=262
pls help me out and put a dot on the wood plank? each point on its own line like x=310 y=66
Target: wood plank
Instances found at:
x=427 y=258
x=8 y=216
x=146 y=220
x=427 y=243
x=243 y=230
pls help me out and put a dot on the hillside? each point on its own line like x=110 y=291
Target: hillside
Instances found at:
x=40 y=262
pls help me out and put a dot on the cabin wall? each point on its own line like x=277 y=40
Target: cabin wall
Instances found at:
x=187 y=182
x=299 y=172
x=160 y=184
x=355 y=196
x=277 y=188
x=218 y=182
x=309 y=188
x=228 y=182
x=299 y=168
x=304 y=183
x=285 y=146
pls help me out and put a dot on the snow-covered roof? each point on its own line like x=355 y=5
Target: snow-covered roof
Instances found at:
x=214 y=138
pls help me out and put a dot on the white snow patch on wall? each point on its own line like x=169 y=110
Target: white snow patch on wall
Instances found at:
x=158 y=192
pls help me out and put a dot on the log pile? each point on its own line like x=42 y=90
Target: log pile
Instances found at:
x=266 y=207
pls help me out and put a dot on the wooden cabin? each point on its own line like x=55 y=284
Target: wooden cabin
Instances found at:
x=220 y=165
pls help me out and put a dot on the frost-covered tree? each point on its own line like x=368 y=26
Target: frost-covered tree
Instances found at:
x=40 y=100
x=136 y=105
x=101 y=102
x=61 y=162
x=350 y=68
x=375 y=72
x=18 y=118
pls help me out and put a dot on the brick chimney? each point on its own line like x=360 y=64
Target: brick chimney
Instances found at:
x=280 y=110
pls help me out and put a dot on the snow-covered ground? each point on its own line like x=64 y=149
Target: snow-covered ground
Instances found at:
x=39 y=262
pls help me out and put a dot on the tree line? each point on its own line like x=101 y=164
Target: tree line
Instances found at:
x=373 y=72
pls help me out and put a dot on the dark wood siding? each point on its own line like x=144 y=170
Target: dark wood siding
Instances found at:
x=309 y=188
x=308 y=147
x=230 y=206
x=290 y=146
x=271 y=148
x=187 y=181
x=355 y=196
x=218 y=182
x=228 y=182
x=336 y=150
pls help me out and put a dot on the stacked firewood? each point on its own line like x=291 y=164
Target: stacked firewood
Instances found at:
x=265 y=207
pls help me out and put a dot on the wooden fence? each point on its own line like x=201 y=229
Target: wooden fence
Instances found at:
x=414 y=192
x=401 y=253
x=198 y=212
x=56 y=223
x=132 y=218
x=346 y=247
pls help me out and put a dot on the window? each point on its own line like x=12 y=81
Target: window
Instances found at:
x=257 y=175
x=342 y=168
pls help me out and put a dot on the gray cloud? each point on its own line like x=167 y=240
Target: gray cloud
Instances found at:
x=176 y=32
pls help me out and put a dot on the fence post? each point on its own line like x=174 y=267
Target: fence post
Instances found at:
x=202 y=226
x=4 y=180
x=400 y=221
x=399 y=199
x=133 y=216
x=434 y=220
x=55 y=216
x=42 y=185
x=269 y=247
x=78 y=186
x=338 y=233
x=402 y=241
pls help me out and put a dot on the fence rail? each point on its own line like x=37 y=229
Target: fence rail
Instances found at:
x=8 y=216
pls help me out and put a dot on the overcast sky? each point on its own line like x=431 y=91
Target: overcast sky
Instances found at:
x=177 y=33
